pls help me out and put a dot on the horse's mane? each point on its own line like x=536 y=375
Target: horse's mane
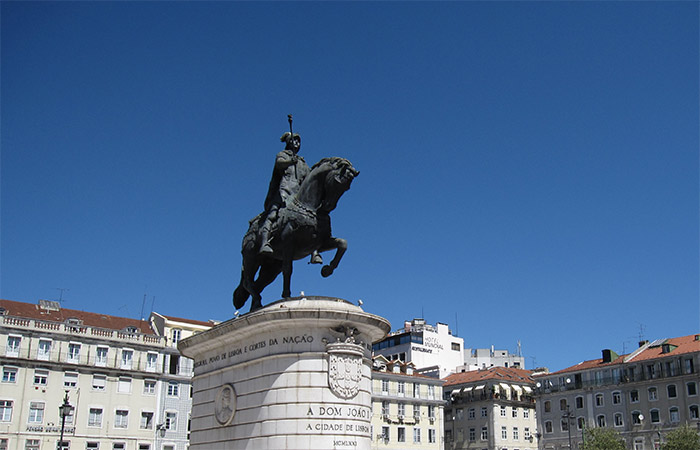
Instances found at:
x=334 y=161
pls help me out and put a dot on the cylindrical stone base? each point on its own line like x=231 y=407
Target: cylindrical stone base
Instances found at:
x=293 y=375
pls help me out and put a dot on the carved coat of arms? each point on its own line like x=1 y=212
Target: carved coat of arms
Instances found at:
x=344 y=369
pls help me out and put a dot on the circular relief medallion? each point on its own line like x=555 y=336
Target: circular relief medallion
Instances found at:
x=225 y=404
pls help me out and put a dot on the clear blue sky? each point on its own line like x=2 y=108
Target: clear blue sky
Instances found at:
x=529 y=170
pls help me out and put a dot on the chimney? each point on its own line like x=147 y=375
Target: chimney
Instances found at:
x=643 y=343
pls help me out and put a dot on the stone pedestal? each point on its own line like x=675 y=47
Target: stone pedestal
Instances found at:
x=295 y=374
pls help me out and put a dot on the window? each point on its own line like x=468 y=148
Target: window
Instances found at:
x=151 y=362
x=526 y=413
x=564 y=424
x=13 y=346
x=579 y=402
x=503 y=411
x=146 y=420
x=516 y=434
x=431 y=392
x=692 y=388
x=31 y=444
x=73 y=355
x=36 y=412
x=99 y=382
x=693 y=409
x=671 y=391
x=673 y=415
x=653 y=395
x=121 y=418
x=92 y=446
x=385 y=387
x=472 y=414
x=124 y=385
x=3 y=444
x=173 y=389
x=101 y=356
x=70 y=379
x=402 y=409
x=385 y=434
x=654 y=414
x=599 y=400
x=170 y=420
x=548 y=426
x=402 y=389
x=416 y=435
x=688 y=366
x=514 y=411
x=484 y=433
x=44 y=351
x=634 y=396
x=455 y=346
x=5 y=410
x=600 y=421
x=484 y=412
x=563 y=405
x=119 y=446
x=472 y=434
x=149 y=386
x=431 y=436
x=580 y=423
x=41 y=377
x=9 y=374
x=618 y=420
x=547 y=406
x=636 y=418
x=385 y=408
x=63 y=445
x=401 y=434
x=431 y=411
x=416 y=390
x=127 y=359
x=504 y=433
x=616 y=398
x=526 y=433
x=95 y=417
x=459 y=413
x=175 y=335
x=416 y=412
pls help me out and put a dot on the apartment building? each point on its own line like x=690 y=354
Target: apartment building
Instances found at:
x=642 y=395
x=492 y=409
x=407 y=407
x=109 y=368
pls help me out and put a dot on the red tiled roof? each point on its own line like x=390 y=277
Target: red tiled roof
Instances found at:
x=684 y=344
x=33 y=311
x=492 y=373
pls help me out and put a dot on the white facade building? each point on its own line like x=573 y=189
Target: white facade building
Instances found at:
x=407 y=408
x=426 y=346
x=110 y=367
x=483 y=358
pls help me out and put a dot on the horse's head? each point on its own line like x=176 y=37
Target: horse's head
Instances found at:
x=338 y=175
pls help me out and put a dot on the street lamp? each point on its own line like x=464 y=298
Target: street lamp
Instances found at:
x=569 y=417
x=64 y=411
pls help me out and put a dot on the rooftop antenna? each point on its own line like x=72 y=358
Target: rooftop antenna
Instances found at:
x=60 y=299
x=143 y=304
x=642 y=328
x=152 y=302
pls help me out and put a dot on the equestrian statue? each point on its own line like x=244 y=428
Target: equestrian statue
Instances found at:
x=296 y=222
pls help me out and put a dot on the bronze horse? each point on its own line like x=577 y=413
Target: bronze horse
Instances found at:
x=303 y=225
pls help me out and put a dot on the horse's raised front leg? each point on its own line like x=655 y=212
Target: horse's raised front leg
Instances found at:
x=341 y=246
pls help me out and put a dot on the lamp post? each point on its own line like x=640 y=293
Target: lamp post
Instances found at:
x=63 y=411
x=568 y=416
